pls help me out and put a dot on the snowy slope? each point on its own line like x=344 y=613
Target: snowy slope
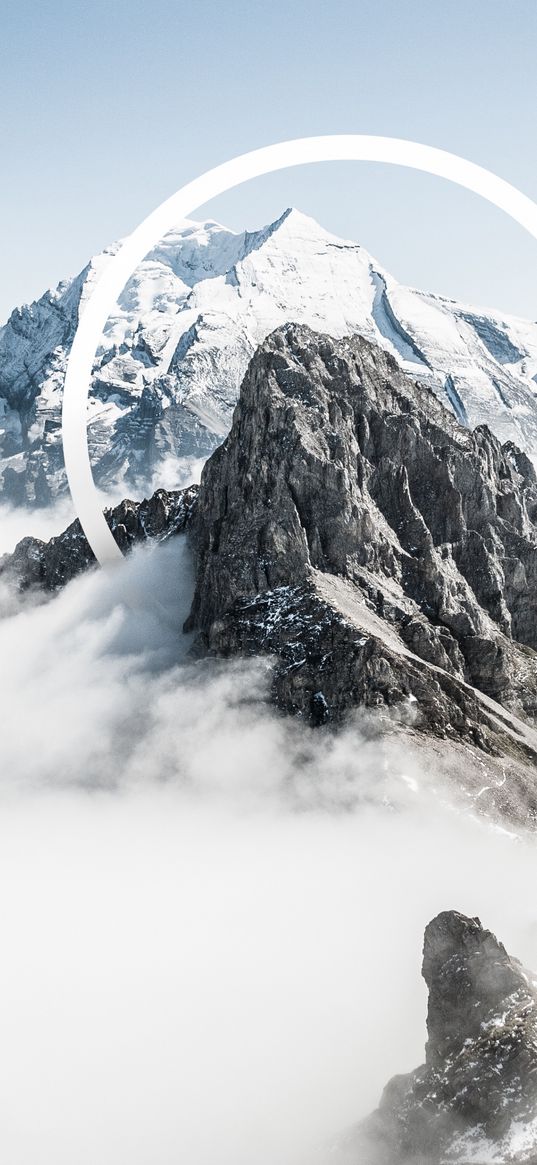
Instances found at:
x=176 y=348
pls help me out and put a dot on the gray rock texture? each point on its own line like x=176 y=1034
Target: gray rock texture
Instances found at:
x=475 y=1097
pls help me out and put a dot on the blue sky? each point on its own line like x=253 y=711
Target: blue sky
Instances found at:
x=109 y=107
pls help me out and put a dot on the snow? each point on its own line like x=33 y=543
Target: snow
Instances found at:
x=474 y=1148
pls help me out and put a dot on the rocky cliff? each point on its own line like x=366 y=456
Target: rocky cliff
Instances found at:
x=475 y=1097
x=383 y=553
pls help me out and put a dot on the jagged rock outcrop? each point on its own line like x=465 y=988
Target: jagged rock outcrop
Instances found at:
x=475 y=1097
x=381 y=551
x=50 y=565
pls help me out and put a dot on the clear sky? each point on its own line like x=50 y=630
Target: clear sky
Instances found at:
x=109 y=106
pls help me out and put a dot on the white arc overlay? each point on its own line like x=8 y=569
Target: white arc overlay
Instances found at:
x=93 y=319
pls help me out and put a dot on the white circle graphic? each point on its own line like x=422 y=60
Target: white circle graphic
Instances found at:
x=332 y=148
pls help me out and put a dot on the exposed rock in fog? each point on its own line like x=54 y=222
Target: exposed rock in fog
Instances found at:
x=52 y=564
x=475 y=1098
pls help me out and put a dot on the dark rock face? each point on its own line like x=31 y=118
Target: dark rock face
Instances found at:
x=52 y=564
x=479 y=1081
x=349 y=504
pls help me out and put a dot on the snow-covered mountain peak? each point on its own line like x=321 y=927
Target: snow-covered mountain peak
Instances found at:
x=292 y=225
x=176 y=347
x=298 y=233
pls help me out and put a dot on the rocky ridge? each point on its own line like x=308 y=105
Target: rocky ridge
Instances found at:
x=51 y=565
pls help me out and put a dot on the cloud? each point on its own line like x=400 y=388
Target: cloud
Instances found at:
x=17 y=522
x=211 y=916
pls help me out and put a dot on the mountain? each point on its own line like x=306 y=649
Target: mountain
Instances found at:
x=174 y=353
x=383 y=556
x=474 y=1100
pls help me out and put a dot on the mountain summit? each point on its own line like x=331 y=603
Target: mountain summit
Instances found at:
x=174 y=353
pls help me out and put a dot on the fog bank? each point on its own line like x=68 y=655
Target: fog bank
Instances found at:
x=212 y=917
